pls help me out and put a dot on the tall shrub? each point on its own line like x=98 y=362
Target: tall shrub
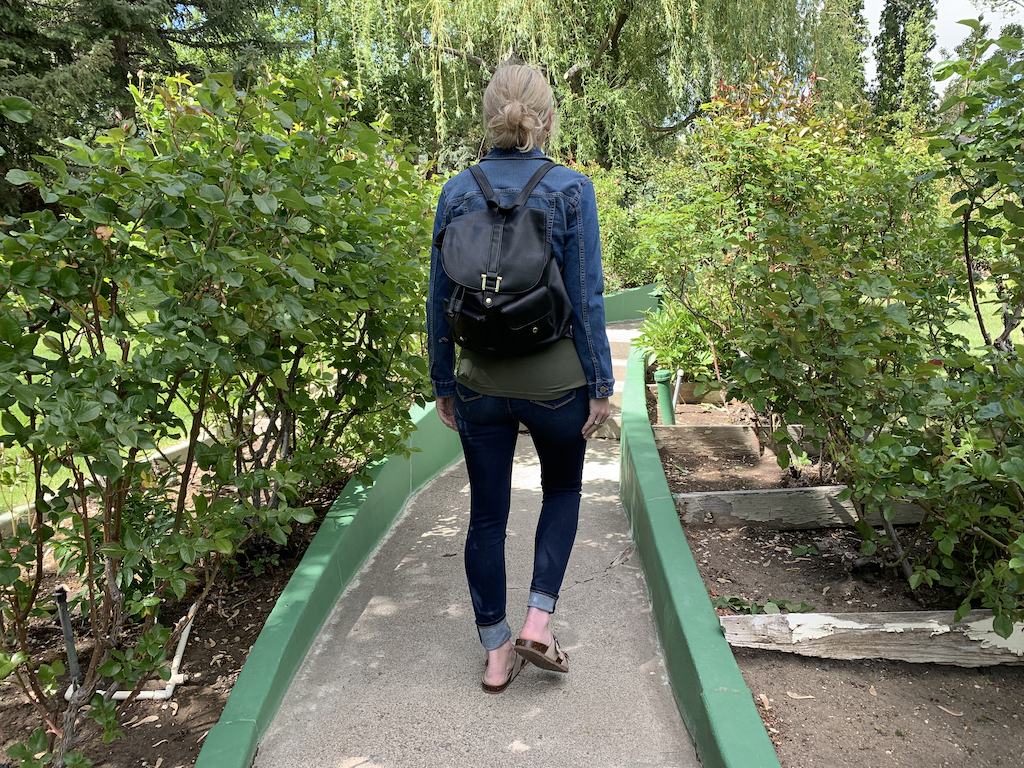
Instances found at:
x=250 y=258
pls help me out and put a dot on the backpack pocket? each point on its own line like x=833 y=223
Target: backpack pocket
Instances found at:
x=532 y=310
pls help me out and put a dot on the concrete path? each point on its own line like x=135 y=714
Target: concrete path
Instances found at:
x=393 y=681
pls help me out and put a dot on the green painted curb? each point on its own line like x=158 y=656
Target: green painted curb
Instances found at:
x=713 y=698
x=630 y=304
x=357 y=522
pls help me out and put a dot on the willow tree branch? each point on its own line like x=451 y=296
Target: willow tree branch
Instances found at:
x=676 y=127
x=450 y=51
x=611 y=40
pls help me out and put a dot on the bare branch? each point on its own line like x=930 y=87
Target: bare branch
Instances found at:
x=671 y=128
x=450 y=51
x=611 y=40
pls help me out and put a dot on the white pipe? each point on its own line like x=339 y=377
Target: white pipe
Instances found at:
x=176 y=678
x=679 y=382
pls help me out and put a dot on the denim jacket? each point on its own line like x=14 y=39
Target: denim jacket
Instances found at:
x=573 y=231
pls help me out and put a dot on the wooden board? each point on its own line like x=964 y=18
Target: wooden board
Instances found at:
x=780 y=509
x=917 y=636
x=724 y=441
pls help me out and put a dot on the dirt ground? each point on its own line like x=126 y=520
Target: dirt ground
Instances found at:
x=169 y=734
x=842 y=714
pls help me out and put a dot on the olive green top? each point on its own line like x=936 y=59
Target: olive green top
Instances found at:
x=544 y=375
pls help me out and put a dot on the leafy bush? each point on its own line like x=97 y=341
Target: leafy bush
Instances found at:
x=626 y=265
x=851 y=284
x=819 y=247
x=673 y=339
x=251 y=255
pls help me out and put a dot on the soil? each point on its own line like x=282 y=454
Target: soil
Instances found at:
x=843 y=714
x=170 y=733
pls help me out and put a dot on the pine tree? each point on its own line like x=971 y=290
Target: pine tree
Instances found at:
x=841 y=40
x=72 y=60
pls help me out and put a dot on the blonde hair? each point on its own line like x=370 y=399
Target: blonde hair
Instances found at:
x=517 y=105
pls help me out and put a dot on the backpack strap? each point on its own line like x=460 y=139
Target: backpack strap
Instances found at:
x=492 y=199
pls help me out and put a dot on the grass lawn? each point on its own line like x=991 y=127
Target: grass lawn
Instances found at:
x=993 y=314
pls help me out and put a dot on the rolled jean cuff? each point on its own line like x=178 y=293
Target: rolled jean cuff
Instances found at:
x=545 y=602
x=495 y=636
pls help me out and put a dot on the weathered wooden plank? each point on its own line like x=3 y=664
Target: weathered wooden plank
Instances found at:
x=927 y=637
x=780 y=509
x=725 y=441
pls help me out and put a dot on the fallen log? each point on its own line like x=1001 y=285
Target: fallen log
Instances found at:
x=927 y=637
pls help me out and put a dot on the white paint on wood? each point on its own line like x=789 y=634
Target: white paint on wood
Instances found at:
x=932 y=626
x=814 y=626
x=914 y=636
x=982 y=631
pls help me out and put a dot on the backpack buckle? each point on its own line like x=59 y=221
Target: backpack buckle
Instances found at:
x=483 y=283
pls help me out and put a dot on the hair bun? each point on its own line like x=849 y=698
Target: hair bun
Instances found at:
x=514 y=103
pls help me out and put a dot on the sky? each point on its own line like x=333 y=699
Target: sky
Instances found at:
x=948 y=33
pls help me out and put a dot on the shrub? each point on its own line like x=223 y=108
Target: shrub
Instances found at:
x=252 y=256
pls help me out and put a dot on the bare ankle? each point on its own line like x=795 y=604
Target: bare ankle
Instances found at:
x=536 y=626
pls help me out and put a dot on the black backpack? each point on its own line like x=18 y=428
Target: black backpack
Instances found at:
x=508 y=297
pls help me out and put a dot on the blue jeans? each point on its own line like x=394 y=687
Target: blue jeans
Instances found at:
x=488 y=427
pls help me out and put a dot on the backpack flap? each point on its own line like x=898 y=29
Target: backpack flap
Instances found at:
x=520 y=242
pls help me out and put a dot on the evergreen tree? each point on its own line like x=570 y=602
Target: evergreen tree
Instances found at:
x=906 y=35
x=73 y=59
x=917 y=96
x=841 y=40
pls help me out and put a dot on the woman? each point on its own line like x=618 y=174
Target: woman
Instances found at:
x=560 y=393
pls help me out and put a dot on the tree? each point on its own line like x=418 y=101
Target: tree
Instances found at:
x=905 y=35
x=72 y=60
x=629 y=74
x=917 y=97
x=841 y=40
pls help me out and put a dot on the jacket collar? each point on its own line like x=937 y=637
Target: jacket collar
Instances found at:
x=497 y=153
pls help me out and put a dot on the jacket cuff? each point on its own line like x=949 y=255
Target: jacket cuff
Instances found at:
x=444 y=388
x=603 y=388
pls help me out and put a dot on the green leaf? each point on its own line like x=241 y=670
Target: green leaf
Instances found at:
x=266 y=204
x=783 y=458
x=8 y=576
x=16 y=109
x=1002 y=625
x=277 y=534
x=990 y=410
x=224 y=546
x=211 y=193
x=771 y=608
x=17 y=177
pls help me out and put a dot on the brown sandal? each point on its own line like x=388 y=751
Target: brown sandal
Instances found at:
x=544 y=656
x=517 y=667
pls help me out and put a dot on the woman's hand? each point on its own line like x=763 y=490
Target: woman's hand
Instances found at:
x=446 y=411
x=600 y=410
